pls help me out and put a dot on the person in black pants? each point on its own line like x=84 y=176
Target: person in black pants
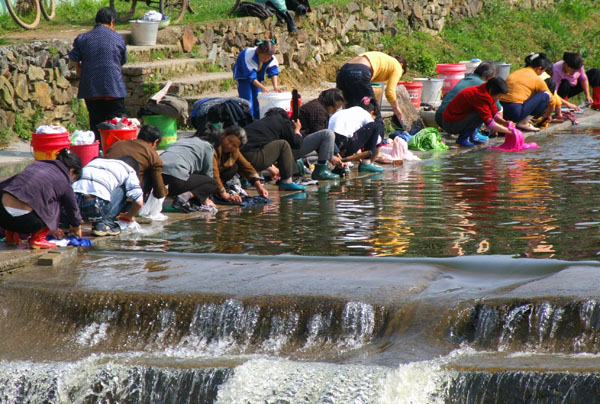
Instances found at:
x=98 y=56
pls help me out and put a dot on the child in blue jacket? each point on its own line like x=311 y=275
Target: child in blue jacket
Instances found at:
x=249 y=71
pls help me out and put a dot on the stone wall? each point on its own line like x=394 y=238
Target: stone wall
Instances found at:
x=35 y=77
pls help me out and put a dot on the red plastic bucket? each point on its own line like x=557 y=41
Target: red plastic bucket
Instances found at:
x=452 y=74
x=414 y=91
x=86 y=152
x=110 y=136
x=47 y=145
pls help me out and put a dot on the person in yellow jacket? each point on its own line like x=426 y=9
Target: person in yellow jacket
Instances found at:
x=528 y=94
x=355 y=77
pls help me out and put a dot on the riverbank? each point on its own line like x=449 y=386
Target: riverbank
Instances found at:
x=12 y=161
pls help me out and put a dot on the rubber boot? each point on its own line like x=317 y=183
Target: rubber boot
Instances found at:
x=289 y=20
x=38 y=239
x=12 y=238
x=321 y=172
x=300 y=166
x=475 y=139
x=596 y=98
x=463 y=140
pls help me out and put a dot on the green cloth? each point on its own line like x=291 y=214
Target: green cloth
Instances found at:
x=427 y=139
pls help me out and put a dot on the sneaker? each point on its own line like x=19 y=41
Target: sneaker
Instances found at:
x=371 y=168
x=182 y=205
x=102 y=229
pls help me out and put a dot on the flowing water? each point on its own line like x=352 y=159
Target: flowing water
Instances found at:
x=466 y=278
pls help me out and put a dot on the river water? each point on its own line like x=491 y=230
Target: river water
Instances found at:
x=467 y=277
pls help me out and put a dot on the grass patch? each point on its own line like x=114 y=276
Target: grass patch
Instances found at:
x=504 y=33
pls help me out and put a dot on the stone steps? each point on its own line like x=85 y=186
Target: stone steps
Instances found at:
x=202 y=84
x=160 y=70
x=138 y=54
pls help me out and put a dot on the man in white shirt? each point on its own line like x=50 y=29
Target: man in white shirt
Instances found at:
x=103 y=190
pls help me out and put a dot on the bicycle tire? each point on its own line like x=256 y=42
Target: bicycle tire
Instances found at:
x=173 y=8
x=48 y=5
x=26 y=13
x=124 y=14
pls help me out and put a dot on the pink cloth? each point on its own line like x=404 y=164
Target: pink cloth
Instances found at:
x=398 y=151
x=514 y=141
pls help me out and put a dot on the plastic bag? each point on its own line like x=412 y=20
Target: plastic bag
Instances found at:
x=132 y=226
x=152 y=209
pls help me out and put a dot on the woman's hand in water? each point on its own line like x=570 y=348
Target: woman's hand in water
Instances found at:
x=261 y=190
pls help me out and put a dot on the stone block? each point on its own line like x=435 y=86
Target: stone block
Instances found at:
x=35 y=73
x=7 y=94
x=21 y=86
x=41 y=95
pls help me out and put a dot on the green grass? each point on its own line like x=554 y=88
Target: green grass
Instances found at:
x=503 y=33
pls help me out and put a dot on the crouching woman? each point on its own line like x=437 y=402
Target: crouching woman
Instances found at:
x=472 y=107
x=31 y=201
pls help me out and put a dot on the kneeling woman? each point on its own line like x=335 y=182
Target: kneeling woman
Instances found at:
x=356 y=128
x=228 y=161
x=472 y=107
x=528 y=94
x=188 y=170
x=31 y=201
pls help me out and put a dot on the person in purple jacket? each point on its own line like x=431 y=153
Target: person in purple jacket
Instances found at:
x=31 y=201
x=571 y=79
x=98 y=56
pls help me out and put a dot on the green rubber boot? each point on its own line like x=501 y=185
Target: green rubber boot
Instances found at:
x=321 y=172
x=301 y=169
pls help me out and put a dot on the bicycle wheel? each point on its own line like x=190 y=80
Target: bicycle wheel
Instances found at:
x=26 y=13
x=124 y=9
x=173 y=8
x=48 y=9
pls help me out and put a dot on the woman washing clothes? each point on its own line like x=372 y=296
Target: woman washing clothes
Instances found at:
x=528 y=94
x=31 y=201
x=249 y=70
x=228 y=161
x=356 y=128
x=571 y=79
x=473 y=106
x=270 y=143
x=355 y=77
x=188 y=170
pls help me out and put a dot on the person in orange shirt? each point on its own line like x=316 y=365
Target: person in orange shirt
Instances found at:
x=355 y=77
x=528 y=94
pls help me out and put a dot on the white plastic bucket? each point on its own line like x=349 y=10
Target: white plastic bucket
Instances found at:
x=266 y=101
x=144 y=32
x=431 y=93
x=470 y=65
x=503 y=70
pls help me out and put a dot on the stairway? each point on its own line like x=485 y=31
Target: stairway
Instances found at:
x=150 y=67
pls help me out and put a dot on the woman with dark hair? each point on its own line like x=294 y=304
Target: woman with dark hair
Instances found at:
x=270 y=142
x=355 y=77
x=358 y=127
x=528 y=94
x=188 y=170
x=473 y=106
x=571 y=79
x=314 y=115
x=31 y=201
x=249 y=71
x=228 y=161
x=98 y=57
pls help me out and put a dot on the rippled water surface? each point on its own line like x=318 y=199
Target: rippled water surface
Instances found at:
x=536 y=203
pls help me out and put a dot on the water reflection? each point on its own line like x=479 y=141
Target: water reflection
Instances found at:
x=536 y=203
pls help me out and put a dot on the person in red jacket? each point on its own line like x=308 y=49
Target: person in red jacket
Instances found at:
x=472 y=107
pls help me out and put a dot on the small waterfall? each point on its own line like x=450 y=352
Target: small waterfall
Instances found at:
x=199 y=324
x=544 y=326
x=524 y=387
x=100 y=379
